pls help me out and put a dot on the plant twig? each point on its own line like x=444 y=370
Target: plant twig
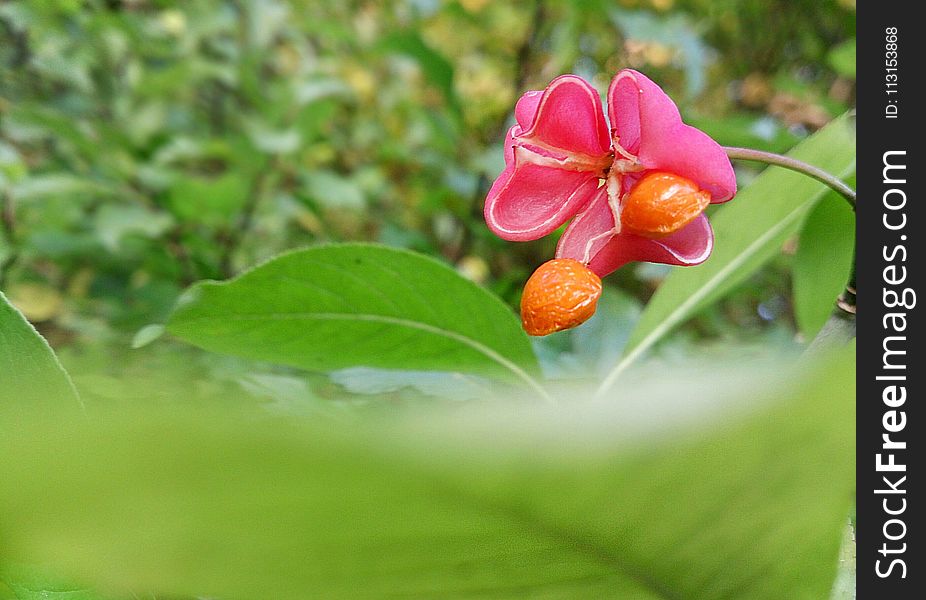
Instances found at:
x=526 y=51
x=8 y=230
x=840 y=328
x=177 y=249
x=245 y=221
x=795 y=165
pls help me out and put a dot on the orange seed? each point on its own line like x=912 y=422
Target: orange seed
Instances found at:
x=561 y=294
x=662 y=203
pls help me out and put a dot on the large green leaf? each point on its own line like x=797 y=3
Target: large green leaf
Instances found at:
x=823 y=262
x=335 y=307
x=30 y=374
x=845 y=584
x=696 y=491
x=29 y=583
x=32 y=382
x=747 y=233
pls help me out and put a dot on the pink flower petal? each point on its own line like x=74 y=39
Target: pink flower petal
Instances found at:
x=648 y=125
x=528 y=200
x=585 y=236
x=569 y=118
x=640 y=112
x=526 y=109
x=509 y=148
x=689 y=246
x=554 y=157
x=505 y=175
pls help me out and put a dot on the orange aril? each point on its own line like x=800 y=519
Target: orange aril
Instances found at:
x=661 y=203
x=561 y=294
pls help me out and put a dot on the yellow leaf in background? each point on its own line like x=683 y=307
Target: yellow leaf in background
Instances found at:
x=473 y=6
x=473 y=268
x=173 y=21
x=308 y=221
x=362 y=80
x=79 y=286
x=658 y=55
x=37 y=301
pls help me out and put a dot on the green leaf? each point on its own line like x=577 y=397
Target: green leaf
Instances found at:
x=270 y=140
x=29 y=583
x=114 y=222
x=748 y=233
x=29 y=371
x=335 y=307
x=842 y=58
x=845 y=584
x=39 y=187
x=823 y=262
x=453 y=386
x=737 y=129
x=209 y=200
x=146 y=335
x=677 y=490
x=37 y=120
x=436 y=68
x=335 y=191
x=314 y=90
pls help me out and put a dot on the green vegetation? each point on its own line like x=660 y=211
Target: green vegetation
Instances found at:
x=256 y=340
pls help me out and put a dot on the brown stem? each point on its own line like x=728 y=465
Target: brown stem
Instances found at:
x=525 y=52
x=795 y=165
x=245 y=222
x=177 y=249
x=8 y=229
x=838 y=330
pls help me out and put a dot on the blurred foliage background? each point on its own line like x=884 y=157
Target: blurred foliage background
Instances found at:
x=147 y=144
